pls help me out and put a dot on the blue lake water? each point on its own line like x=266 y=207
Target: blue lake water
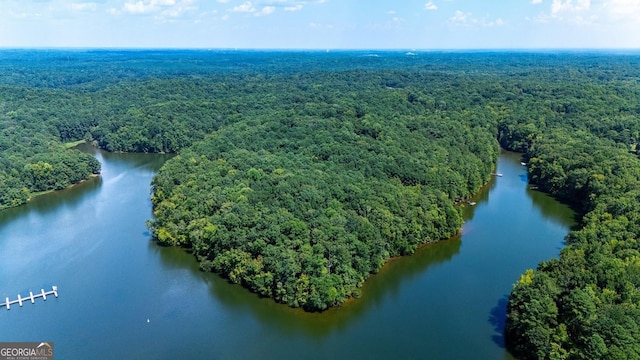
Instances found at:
x=122 y=296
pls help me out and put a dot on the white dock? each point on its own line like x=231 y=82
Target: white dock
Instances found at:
x=43 y=294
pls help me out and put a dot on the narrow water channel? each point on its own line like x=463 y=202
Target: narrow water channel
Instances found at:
x=122 y=296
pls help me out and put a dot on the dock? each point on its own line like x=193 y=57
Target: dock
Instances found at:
x=42 y=294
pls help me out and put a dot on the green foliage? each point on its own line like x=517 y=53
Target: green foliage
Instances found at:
x=31 y=160
x=300 y=174
x=586 y=304
x=302 y=206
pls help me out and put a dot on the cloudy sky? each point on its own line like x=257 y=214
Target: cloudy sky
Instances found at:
x=321 y=24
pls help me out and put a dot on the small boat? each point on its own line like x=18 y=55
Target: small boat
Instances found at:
x=523 y=163
x=472 y=203
x=497 y=174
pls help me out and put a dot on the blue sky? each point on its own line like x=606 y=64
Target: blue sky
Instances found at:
x=321 y=24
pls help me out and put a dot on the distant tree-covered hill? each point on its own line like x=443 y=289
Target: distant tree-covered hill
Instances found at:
x=300 y=173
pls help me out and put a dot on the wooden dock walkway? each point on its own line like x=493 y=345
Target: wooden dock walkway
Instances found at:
x=42 y=294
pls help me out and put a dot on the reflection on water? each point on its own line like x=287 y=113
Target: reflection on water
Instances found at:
x=70 y=198
x=551 y=209
x=498 y=319
x=445 y=301
x=481 y=197
x=385 y=284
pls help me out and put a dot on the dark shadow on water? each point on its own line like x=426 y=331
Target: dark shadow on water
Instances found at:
x=524 y=178
x=481 y=197
x=74 y=195
x=498 y=320
x=142 y=161
x=553 y=210
x=70 y=197
x=378 y=289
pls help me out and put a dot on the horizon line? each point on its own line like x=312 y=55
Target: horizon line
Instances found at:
x=497 y=49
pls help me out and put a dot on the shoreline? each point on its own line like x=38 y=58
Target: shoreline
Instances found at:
x=40 y=193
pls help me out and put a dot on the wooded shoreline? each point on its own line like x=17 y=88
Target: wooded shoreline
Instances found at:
x=300 y=179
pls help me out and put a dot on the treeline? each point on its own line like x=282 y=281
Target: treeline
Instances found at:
x=380 y=158
x=32 y=160
x=522 y=108
x=306 y=197
x=586 y=304
x=163 y=102
x=301 y=173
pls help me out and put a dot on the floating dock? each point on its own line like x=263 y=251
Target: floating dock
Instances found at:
x=42 y=294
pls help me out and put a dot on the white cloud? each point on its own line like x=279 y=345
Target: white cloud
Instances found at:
x=466 y=19
x=315 y=25
x=291 y=5
x=571 y=11
x=83 y=6
x=267 y=7
x=270 y=6
x=246 y=7
x=147 y=6
x=559 y=7
x=622 y=14
x=267 y=10
x=430 y=6
x=496 y=22
x=177 y=11
x=623 y=9
x=460 y=18
x=536 y=2
x=137 y=8
x=20 y=15
x=163 y=10
x=223 y=1
x=296 y=7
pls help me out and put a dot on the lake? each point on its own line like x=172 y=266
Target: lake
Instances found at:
x=123 y=296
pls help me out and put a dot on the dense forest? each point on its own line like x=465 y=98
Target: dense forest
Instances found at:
x=32 y=159
x=299 y=174
x=306 y=197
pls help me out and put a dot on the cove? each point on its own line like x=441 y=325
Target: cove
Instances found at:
x=123 y=296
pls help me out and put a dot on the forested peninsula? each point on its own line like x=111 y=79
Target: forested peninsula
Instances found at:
x=299 y=174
